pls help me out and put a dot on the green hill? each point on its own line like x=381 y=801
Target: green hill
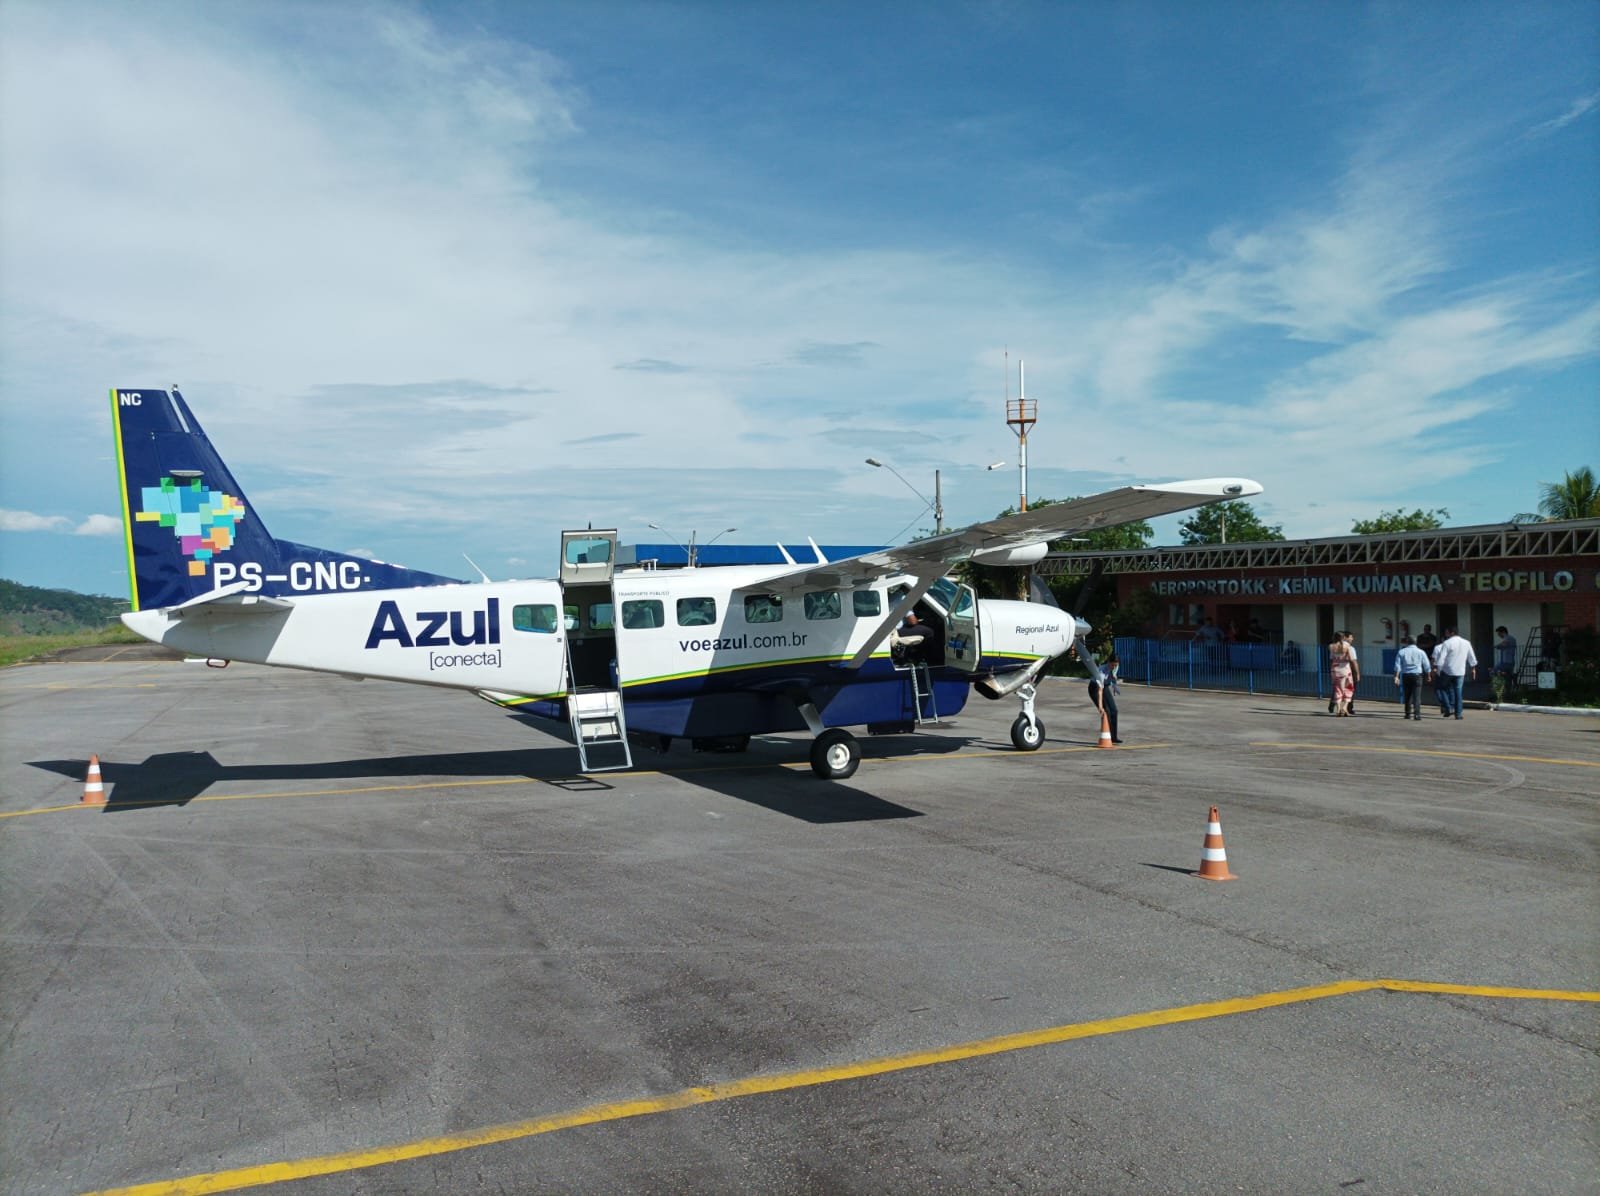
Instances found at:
x=31 y=610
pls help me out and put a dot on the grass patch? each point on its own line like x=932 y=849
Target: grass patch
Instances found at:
x=14 y=649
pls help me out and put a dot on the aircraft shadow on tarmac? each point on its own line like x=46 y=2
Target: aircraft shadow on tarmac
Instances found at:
x=177 y=778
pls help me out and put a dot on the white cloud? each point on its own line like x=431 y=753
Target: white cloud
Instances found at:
x=99 y=525
x=1580 y=108
x=27 y=521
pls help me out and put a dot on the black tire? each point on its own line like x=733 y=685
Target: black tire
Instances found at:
x=835 y=755
x=1027 y=736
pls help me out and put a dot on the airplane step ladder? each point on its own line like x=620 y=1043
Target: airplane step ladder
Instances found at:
x=921 y=691
x=597 y=722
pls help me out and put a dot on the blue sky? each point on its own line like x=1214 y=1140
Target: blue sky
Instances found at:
x=448 y=278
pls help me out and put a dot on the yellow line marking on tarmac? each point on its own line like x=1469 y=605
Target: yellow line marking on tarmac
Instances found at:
x=1404 y=751
x=794 y=766
x=355 y=1160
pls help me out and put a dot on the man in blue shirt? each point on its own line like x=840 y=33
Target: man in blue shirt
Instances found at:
x=1411 y=665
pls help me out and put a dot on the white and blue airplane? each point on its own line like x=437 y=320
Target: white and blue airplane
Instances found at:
x=712 y=655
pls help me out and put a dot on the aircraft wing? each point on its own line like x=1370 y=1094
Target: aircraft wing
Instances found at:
x=932 y=557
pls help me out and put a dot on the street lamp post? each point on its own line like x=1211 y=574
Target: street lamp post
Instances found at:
x=938 y=493
x=691 y=553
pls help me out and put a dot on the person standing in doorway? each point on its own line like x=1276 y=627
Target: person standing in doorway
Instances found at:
x=1505 y=655
x=1427 y=641
x=1411 y=665
x=1454 y=660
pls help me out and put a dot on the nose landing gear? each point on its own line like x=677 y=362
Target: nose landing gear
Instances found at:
x=1027 y=733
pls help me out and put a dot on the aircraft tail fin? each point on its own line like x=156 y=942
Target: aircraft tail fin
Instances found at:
x=189 y=529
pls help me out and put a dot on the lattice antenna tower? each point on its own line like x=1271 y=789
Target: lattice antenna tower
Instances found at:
x=1021 y=414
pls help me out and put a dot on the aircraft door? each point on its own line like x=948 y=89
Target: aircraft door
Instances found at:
x=961 y=643
x=536 y=641
x=588 y=556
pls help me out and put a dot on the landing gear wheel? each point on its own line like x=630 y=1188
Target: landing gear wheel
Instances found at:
x=1027 y=733
x=835 y=754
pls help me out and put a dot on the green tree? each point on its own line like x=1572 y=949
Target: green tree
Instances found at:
x=1398 y=520
x=1576 y=496
x=1234 y=522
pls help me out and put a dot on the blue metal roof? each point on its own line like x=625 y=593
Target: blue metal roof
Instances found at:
x=735 y=554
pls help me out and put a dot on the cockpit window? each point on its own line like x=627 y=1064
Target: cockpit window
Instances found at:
x=943 y=592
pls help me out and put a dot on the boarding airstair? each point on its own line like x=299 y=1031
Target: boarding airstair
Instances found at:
x=924 y=707
x=598 y=722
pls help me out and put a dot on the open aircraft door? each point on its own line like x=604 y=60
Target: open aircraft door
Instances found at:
x=588 y=557
x=594 y=693
x=961 y=642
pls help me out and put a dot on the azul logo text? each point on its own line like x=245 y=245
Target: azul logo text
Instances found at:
x=434 y=628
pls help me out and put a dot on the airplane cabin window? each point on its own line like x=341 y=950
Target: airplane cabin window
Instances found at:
x=867 y=602
x=697 y=612
x=822 y=604
x=540 y=617
x=763 y=608
x=570 y=618
x=588 y=552
x=601 y=617
x=642 y=613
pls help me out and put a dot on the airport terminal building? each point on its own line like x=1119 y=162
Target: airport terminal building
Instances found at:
x=1536 y=579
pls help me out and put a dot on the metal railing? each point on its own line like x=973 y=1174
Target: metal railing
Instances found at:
x=1251 y=668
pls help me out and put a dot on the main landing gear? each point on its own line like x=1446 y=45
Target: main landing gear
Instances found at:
x=835 y=754
x=1027 y=733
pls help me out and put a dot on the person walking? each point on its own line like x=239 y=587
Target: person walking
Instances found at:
x=1344 y=673
x=1411 y=665
x=1454 y=660
x=1350 y=651
x=1103 y=689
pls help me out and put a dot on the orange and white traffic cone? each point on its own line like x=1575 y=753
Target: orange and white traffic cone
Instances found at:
x=1213 y=856
x=94 y=790
x=1105 y=731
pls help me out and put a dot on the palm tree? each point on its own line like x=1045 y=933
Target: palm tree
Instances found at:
x=1576 y=496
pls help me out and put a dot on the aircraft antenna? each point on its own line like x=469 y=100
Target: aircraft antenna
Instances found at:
x=474 y=564
x=1021 y=415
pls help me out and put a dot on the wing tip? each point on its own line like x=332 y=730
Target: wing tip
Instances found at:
x=1215 y=488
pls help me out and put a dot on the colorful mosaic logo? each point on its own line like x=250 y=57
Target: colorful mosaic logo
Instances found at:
x=202 y=519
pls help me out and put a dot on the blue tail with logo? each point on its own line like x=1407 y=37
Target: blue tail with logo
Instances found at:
x=189 y=529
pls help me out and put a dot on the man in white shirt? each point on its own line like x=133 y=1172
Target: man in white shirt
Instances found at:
x=1453 y=661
